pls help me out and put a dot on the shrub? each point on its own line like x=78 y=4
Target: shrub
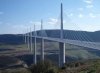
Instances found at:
x=43 y=67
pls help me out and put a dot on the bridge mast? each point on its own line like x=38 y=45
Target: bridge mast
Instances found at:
x=61 y=44
x=61 y=35
x=28 y=40
x=35 y=58
x=42 y=42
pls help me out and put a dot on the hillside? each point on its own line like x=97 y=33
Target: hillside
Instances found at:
x=11 y=39
x=72 y=51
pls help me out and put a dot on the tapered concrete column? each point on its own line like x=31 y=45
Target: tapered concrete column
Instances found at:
x=28 y=41
x=31 y=42
x=25 y=38
x=35 y=58
x=61 y=54
x=42 y=49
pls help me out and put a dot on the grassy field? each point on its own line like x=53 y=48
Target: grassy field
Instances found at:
x=71 y=50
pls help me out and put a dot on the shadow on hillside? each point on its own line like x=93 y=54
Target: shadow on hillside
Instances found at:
x=28 y=58
x=5 y=49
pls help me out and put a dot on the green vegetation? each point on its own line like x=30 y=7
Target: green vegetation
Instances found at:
x=86 y=66
x=15 y=70
x=44 y=67
x=40 y=67
x=81 y=52
x=14 y=47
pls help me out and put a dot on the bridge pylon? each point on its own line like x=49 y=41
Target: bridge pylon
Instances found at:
x=42 y=42
x=61 y=44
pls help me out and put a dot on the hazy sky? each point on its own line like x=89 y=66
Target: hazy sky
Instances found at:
x=16 y=16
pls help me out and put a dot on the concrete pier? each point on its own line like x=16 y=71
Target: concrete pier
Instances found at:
x=42 y=49
x=61 y=54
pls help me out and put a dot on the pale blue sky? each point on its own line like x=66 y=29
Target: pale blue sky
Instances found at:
x=18 y=15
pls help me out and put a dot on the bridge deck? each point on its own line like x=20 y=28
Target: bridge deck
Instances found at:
x=94 y=45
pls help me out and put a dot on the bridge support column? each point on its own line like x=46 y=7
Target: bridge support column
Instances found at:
x=42 y=49
x=28 y=41
x=61 y=54
x=35 y=58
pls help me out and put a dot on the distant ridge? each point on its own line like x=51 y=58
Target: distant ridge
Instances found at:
x=11 y=39
x=69 y=34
